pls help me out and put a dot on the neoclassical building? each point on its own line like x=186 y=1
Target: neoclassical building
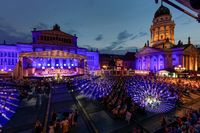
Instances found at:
x=49 y=49
x=162 y=53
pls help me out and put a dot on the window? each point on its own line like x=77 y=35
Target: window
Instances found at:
x=42 y=38
x=5 y=54
x=9 y=54
x=13 y=54
x=12 y=61
x=8 y=61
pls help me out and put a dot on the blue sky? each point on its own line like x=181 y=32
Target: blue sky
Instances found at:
x=112 y=26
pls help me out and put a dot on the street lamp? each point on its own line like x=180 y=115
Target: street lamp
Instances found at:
x=179 y=69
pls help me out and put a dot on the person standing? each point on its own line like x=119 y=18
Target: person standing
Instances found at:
x=38 y=127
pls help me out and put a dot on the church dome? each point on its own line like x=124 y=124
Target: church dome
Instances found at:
x=162 y=10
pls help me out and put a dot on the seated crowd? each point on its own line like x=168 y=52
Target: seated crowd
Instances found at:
x=63 y=123
x=189 y=123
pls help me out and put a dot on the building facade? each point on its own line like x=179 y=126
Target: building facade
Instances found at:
x=47 y=40
x=162 y=53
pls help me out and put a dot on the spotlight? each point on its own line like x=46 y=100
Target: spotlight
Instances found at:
x=43 y=67
x=57 y=65
x=64 y=64
x=48 y=64
x=52 y=67
x=39 y=64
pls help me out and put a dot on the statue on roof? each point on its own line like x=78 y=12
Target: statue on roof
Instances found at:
x=56 y=27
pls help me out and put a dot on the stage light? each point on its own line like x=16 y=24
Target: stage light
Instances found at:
x=69 y=67
x=152 y=96
x=52 y=67
x=39 y=64
x=43 y=67
x=64 y=64
x=2 y=70
x=72 y=64
x=57 y=65
x=9 y=69
x=48 y=64
x=61 y=67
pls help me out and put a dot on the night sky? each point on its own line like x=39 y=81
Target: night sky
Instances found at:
x=112 y=26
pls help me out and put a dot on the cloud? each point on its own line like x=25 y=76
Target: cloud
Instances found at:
x=11 y=34
x=142 y=34
x=99 y=37
x=87 y=46
x=121 y=38
x=41 y=26
x=187 y=22
x=183 y=19
x=123 y=35
x=70 y=28
x=72 y=31
x=180 y=16
x=121 y=50
x=134 y=37
x=139 y=35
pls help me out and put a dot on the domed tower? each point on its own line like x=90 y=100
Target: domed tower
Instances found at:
x=163 y=26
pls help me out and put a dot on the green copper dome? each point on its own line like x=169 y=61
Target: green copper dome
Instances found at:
x=162 y=10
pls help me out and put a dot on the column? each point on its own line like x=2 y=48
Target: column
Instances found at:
x=183 y=61
x=180 y=60
x=189 y=65
x=158 y=34
x=196 y=64
x=157 y=58
x=20 y=71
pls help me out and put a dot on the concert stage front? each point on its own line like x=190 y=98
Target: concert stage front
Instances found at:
x=50 y=63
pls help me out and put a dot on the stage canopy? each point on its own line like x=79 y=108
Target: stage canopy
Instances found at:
x=52 y=54
x=18 y=72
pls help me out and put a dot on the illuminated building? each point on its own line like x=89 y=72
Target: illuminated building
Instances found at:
x=49 y=49
x=162 y=53
x=113 y=64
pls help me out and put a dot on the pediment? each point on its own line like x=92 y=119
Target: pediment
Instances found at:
x=191 y=50
x=148 y=50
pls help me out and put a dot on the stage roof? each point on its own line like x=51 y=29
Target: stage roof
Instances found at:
x=52 y=54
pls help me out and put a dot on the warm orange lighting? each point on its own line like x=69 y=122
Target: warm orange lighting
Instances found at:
x=179 y=69
x=104 y=67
